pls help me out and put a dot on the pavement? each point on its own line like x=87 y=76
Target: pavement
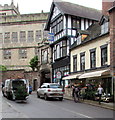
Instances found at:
x=9 y=111
x=109 y=105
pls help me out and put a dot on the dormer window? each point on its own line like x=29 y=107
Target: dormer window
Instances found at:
x=104 y=27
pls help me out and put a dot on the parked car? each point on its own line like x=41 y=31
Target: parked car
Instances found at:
x=16 y=89
x=30 y=89
x=50 y=90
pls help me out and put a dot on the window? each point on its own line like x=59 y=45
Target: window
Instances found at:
x=75 y=23
x=38 y=35
x=45 y=56
x=104 y=27
x=45 y=34
x=64 y=48
x=7 y=54
x=1 y=38
x=82 y=61
x=22 y=53
x=57 y=25
x=74 y=63
x=14 y=37
x=30 y=36
x=22 y=36
x=58 y=51
x=7 y=37
x=103 y=55
x=92 y=58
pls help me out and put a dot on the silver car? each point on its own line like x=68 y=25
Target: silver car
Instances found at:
x=50 y=90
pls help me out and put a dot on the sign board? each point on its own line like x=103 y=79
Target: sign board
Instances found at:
x=58 y=75
x=50 y=36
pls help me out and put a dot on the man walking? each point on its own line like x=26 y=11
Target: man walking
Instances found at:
x=100 y=91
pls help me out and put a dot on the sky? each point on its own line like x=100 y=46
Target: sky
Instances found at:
x=36 y=6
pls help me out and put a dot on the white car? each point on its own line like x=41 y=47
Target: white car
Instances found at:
x=50 y=90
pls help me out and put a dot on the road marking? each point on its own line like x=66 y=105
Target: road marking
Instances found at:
x=69 y=110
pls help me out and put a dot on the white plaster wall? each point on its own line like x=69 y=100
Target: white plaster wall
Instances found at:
x=85 y=48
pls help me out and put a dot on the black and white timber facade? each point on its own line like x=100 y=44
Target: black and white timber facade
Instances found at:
x=65 y=21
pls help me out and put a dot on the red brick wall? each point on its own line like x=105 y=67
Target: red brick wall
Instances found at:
x=106 y=5
x=112 y=39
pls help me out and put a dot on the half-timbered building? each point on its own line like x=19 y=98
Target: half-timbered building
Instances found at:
x=66 y=20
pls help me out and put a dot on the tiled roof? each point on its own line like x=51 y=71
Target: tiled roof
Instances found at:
x=78 y=10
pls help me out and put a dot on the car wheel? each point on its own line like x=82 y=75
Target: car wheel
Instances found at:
x=45 y=97
x=61 y=99
x=38 y=95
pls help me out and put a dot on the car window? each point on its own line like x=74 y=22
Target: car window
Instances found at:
x=55 y=86
x=43 y=86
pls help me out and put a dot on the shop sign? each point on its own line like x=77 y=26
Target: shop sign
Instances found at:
x=58 y=75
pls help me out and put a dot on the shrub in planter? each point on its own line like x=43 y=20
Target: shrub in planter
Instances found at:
x=90 y=95
x=21 y=93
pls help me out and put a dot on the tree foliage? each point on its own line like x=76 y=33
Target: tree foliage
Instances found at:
x=3 y=68
x=34 y=63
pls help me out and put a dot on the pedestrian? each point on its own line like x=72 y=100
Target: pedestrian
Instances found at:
x=73 y=90
x=100 y=92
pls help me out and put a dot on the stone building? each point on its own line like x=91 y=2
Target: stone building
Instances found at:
x=22 y=37
x=19 y=36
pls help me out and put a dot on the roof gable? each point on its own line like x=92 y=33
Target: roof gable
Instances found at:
x=75 y=10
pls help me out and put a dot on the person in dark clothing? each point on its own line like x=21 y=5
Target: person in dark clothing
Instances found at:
x=73 y=90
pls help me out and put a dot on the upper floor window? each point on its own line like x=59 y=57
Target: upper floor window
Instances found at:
x=103 y=55
x=64 y=48
x=57 y=25
x=58 y=51
x=82 y=61
x=22 y=36
x=1 y=38
x=75 y=23
x=74 y=63
x=30 y=36
x=14 y=37
x=45 y=34
x=7 y=54
x=104 y=27
x=7 y=37
x=38 y=35
x=45 y=56
x=93 y=58
x=22 y=53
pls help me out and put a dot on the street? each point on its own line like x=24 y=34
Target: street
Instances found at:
x=39 y=108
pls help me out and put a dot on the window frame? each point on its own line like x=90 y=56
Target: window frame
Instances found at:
x=104 y=59
x=93 y=61
x=82 y=63
x=74 y=63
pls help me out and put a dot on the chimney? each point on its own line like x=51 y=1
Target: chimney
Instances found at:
x=106 y=5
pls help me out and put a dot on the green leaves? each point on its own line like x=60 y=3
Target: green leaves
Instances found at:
x=3 y=68
x=34 y=63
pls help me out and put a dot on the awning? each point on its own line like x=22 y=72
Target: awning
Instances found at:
x=95 y=74
x=71 y=76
